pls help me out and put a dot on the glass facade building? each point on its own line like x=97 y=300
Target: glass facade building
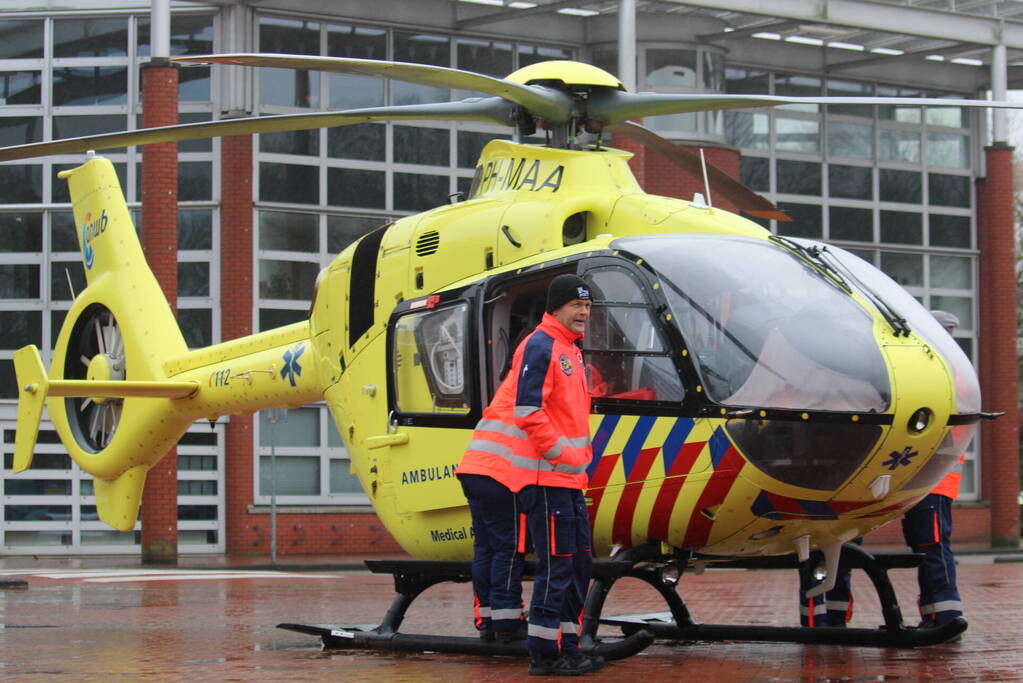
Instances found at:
x=893 y=184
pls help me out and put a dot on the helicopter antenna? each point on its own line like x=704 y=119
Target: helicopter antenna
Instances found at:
x=706 y=183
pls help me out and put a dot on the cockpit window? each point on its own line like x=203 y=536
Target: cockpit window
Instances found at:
x=922 y=323
x=765 y=328
x=626 y=356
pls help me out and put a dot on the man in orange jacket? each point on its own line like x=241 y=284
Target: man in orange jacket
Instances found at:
x=534 y=438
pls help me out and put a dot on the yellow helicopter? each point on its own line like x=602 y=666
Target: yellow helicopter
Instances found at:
x=753 y=395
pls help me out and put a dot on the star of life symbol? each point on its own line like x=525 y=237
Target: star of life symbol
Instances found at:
x=897 y=459
x=291 y=368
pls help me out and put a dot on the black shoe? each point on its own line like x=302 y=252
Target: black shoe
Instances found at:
x=486 y=635
x=591 y=662
x=557 y=665
x=931 y=624
x=512 y=636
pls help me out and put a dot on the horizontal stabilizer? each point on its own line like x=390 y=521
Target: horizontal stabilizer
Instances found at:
x=32 y=388
x=117 y=501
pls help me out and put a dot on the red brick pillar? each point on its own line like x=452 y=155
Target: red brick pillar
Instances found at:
x=236 y=253
x=997 y=336
x=160 y=244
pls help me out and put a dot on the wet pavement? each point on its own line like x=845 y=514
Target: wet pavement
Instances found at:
x=214 y=620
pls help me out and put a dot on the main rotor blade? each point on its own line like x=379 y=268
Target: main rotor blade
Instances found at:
x=614 y=106
x=488 y=109
x=723 y=184
x=547 y=103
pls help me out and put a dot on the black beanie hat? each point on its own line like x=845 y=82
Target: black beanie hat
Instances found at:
x=565 y=288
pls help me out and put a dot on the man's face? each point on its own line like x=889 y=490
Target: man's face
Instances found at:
x=574 y=315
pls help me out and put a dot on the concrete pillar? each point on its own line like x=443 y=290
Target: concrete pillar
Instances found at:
x=160 y=244
x=236 y=253
x=627 y=44
x=997 y=336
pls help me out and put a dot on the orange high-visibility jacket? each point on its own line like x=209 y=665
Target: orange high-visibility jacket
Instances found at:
x=949 y=486
x=537 y=430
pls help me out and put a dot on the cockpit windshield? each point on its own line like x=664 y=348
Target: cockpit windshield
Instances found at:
x=766 y=329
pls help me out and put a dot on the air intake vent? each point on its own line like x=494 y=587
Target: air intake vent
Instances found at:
x=427 y=243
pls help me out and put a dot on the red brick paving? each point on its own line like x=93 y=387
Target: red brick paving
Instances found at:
x=224 y=629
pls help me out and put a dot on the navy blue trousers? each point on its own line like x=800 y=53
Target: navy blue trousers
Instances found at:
x=497 y=562
x=559 y=527
x=927 y=528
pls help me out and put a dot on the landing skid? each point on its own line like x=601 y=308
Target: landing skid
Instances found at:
x=677 y=624
x=411 y=578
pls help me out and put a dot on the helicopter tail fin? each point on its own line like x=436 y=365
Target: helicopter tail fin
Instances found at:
x=107 y=392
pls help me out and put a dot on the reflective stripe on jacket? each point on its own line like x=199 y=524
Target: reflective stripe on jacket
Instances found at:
x=949 y=486
x=536 y=430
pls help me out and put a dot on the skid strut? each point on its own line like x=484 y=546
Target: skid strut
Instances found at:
x=677 y=623
x=413 y=577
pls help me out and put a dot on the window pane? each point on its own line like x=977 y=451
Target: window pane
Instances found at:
x=948 y=149
x=343 y=230
x=901 y=227
x=945 y=116
x=195 y=229
x=21 y=184
x=755 y=173
x=798 y=85
x=670 y=68
x=341 y=480
x=297 y=428
x=367 y=141
x=89 y=85
x=287 y=279
x=347 y=90
x=746 y=81
x=19 y=130
x=905 y=113
x=195 y=181
x=193 y=278
x=531 y=54
x=196 y=326
x=797 y=135
x=420 y=48
x=78 y=126
x=949 y=231
x=272 y=318
x=713 y=71
x=951 y=272
x=900 y=145
x=850 y=182
x=29 y=44
x=470 y=146
x=20 y=87
x=22 y=232
x=20 y=328
x=798 y=177
x=296 y=475
x=850 y=140
x=846 y=223
x=490 y=57
x=906 y=269
x=948 y=190
x=806 y=220
x=19 y=281
x=289 y=183
x=90 y=37
x=429 y=146
x=306 y=142
x=430 y=356
x=63 y=276
x=416 y=192
x=63 y=235
x=747 y=130
x=289 y=87
x=900 y=186
x=959 y=306
x=356 y=187
x=201 y=145
x=283 y=231
x=850 y=89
